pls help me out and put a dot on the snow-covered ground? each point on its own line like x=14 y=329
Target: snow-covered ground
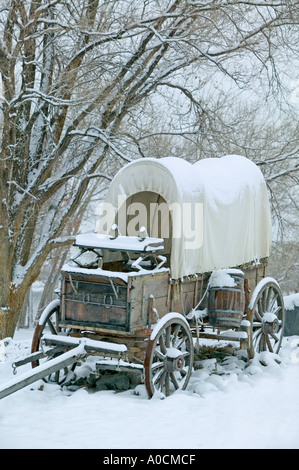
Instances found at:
x=231 y=404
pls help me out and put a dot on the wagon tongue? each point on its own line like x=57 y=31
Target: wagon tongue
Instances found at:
x=75 y=348
x=39 y=372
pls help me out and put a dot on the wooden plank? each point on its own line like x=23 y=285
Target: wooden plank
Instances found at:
x=88 y=344
x=123 y=367
x=141 y=291
x=95 y=302
x=255 y=272
x=94 y=277
x=223 y=337
x=183 y=295
x=38 y=355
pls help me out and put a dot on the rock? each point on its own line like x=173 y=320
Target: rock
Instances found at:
x=115 y=381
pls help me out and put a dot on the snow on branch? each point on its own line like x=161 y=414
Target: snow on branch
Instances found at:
x=287 y=172
x=226 y=3
x=22 y=189
x=32 y=93
x=61 y=241
x=101 y=135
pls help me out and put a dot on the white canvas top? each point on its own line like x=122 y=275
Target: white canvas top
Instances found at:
x=228 y=196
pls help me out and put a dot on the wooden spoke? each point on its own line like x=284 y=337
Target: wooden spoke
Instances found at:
x=276 y=339
x=176 y=331
x=167 y=341
x=273 y=302
x=162 y=344
x=159 y=378
x=160 y=355
x=258 y=309
x=53 y=329
x=269 y=344
x=174 y=381
x=169 y=356
x=157 y=366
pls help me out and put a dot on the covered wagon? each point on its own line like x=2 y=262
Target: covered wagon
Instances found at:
x=179 y=254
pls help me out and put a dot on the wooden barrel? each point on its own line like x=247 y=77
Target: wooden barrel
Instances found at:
x=226 y=300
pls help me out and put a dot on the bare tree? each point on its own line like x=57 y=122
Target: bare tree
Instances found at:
x=75 y=74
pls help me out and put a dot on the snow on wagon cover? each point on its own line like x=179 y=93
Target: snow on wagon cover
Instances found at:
x=219 y=210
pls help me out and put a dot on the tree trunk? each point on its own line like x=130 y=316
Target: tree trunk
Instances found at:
x=9 y=315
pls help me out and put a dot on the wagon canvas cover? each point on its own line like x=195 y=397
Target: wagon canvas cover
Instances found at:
x=219 y=214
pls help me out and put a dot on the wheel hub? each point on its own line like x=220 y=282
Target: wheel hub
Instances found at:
x=270 y=325
x=174 y=363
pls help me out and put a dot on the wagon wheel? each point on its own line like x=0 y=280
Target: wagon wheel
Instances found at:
x=48 y=323
x=169 y=356
x=267 y=313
